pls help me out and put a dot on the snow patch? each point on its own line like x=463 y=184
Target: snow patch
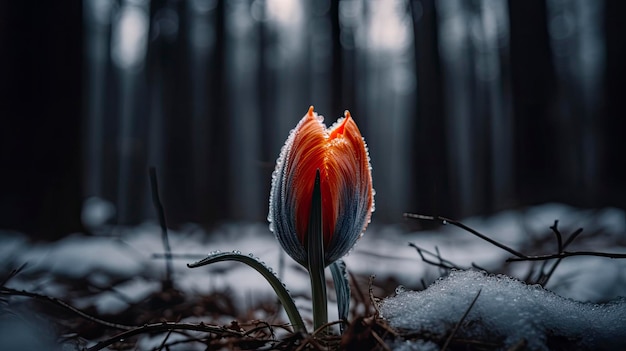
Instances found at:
x=79 y=256
x=132 y=291
x=506 y=309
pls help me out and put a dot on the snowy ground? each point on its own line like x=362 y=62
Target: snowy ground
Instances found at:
x=129 y=254
x=506 y=310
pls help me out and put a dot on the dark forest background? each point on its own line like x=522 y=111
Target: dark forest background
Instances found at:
x=468 y=107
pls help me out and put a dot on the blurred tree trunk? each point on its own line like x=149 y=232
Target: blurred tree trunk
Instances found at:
x=492 y=102
x=429 y=143
x=40 y=107
x=614 y=131
x=336 y=98
x=533 y=90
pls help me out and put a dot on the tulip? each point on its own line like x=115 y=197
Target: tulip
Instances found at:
x=320 y=204
x=345 y=183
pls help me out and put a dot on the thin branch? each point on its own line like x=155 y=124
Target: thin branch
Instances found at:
x=559 y=238
x=167 y=336
x=530 y=273
x=13 y=292
x=463 y=226
x=261 y=325
x=546 y=277
x=458 y=324
x=443 y=263
x=566 y=254
x=475 y=265
x=541 y=275
x=438 y=255
x=320 y=334
x=543 y=280
x=572 y=237
x=188 y=340
x=13 y=273
x=380 y=341
x=371 y=293
x=165 y=327
x=156 y=200
x=322 y=329
x=359 y=292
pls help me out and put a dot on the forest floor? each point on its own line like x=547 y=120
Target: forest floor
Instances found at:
x=111 y=289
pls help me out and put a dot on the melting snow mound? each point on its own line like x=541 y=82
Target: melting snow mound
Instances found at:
x=507 y=311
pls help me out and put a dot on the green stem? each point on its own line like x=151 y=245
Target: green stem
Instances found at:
x=279 y=288
x=315 y=249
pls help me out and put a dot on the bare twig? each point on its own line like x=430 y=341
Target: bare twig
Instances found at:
x=13 y=292
x=320 y=335
x=518 y=255
x=572 y=237
x=559 y=238
x=544 y=278
x=188 y=340
x=458 y=324
x=443 y=263
x=445 y=220
x=165 y=327
x=373 y=299
x=13 y=273
x=167 y=336
x=566 y=254
x=156 y=200
x=261 y=325
x=323 y=328
x=530 y=273
x=542 y=275
x=359 y=293
x=480 y=268
x=380 y=341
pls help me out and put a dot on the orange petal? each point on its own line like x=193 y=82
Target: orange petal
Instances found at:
x=349 y=170
x=306 y=157
x=341 y=156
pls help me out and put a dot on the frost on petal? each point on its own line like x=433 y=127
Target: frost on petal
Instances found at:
x=346 y=184
x=293 y=166
x=348 y=172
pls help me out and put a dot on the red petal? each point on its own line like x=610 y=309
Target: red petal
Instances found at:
x=341 y=157
x=306 y=156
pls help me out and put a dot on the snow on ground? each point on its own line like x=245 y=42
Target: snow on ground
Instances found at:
x=129 y=253
x=506 y=309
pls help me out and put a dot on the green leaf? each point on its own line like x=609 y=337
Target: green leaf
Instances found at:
x=315 y=250
x=279 y=288
x=342 y=289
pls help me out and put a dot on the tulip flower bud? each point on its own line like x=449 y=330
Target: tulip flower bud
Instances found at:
x=340 y=154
